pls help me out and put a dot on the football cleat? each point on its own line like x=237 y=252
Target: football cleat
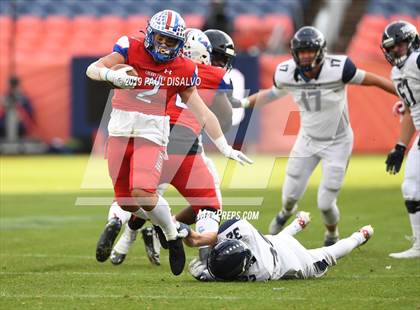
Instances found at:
x=151 y=244
x=107 y=238
x=162 y=237
x=121 y=249
x=176 y=256
x=367 y=232
x=413 y=252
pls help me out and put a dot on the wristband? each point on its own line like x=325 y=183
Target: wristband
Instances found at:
x=105 y=75
x=222 y=145
x=400 y=147
x=245 y=102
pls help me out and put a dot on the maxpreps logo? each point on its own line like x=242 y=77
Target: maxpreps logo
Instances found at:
x=220 y=215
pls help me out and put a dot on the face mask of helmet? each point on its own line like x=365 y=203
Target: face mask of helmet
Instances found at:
x=222 y=60
x=164 y=48
x=308 y=58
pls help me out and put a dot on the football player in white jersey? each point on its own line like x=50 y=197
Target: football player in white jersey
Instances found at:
x=317 y=82
x=242 y=253
x=400 y=44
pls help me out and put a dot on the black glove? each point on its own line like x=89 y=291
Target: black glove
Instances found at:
x=395 y=159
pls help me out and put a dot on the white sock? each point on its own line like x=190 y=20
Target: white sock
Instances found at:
x=161 y=216
x=292 y=229
x=415 y=226
x=345 y=246
x=116 y=211
x=141 y=214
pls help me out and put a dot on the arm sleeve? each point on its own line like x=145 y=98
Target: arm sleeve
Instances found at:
x=349 y=71
x=225 y=83
x=122 y=46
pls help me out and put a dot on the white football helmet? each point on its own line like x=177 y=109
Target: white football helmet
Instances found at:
x=167 y=23
x=197 y=46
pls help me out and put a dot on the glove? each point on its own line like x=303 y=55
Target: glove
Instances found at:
x=239 y=157
x=395 y=159
x=229 y=152
x=398 y=108
x=199 y=270
x=121 y=79
x=183 y=230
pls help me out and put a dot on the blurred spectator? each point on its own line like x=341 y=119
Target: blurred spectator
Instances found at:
x=16 y=113
x=217 y=18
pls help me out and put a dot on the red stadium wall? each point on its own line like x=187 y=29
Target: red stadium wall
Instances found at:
x=47 y=83
x=375 y=129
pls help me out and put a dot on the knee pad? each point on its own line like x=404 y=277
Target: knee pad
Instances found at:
x=294 y=169
x=410 y=190
x=333 y=177
x=412 y=206
x=326 y=198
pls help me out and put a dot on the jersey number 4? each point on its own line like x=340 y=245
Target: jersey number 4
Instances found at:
x=405 y=93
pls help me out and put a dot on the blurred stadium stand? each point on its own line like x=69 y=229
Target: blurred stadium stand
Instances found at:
x=48 y=34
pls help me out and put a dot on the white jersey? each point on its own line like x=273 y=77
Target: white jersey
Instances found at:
x=407 y=83
x=275 y=257
x=322 y=101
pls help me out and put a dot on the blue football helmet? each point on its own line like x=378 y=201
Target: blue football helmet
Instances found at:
x=308 y=38
x=166 y=23
x=229 y=260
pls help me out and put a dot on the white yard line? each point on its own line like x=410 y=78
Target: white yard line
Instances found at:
x=134 y=256
x=191 y=297
x=84 y=273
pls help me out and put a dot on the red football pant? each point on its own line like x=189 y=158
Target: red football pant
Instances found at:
x=133 y=163
x=191 y=177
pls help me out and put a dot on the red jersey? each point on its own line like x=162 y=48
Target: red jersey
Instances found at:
x=211 y=79
x=158 y=82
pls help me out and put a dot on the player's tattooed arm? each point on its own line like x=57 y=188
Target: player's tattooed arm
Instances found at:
x=196 y=239
x=372 y=79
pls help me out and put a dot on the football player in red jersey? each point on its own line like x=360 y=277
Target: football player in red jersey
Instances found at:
x=139 y=127
x=188 y=169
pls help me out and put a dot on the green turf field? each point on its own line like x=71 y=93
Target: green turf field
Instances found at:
x=47 y=245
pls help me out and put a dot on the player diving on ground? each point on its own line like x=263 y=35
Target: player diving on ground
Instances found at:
x=242 y=253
